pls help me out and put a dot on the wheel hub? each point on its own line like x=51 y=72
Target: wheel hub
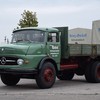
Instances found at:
x=48 y=75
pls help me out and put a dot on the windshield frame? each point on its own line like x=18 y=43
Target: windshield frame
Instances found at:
x=31 y=34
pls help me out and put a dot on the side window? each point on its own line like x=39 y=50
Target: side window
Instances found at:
x=53 y=37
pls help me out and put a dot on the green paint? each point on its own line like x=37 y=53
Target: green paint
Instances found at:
x=23 y=46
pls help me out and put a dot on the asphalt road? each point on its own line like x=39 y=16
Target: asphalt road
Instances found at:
x=77 y=89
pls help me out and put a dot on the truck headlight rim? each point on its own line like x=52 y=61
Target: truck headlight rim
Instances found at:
x=20 y=61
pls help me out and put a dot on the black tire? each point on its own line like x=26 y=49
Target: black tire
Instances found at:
x=47 y=75
x=88 y=72
x=93 y=73
x=9 y=80
x=80 y=72
x=66 y=75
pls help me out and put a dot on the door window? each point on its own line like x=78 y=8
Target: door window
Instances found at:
x=53 y=37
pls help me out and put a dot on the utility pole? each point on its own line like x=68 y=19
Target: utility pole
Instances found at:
x=5 y=39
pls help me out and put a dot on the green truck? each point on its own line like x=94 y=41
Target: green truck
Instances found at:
x=44 y=53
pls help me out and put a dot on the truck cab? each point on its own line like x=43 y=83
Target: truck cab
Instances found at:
x=29 y=51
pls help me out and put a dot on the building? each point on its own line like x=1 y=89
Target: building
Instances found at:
x=80 y=36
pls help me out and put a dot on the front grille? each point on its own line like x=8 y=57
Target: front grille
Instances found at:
x=8 y=61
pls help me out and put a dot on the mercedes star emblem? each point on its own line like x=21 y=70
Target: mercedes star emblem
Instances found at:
x=3 y=60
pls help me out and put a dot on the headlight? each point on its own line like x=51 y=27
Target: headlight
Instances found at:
x=20 y=61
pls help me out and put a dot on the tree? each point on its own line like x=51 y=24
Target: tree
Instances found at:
x=29 y=19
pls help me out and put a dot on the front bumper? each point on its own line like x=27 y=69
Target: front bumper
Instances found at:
x=18 y=71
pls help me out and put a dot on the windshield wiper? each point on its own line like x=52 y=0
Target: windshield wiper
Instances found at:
x=19 y=40
x=25 y=40
x=28 y=40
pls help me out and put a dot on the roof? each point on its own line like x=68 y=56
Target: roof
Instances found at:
x=78 y=28
x=96 y=21
x=37 y=28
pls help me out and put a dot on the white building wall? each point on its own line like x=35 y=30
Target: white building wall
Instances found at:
x=80 y=36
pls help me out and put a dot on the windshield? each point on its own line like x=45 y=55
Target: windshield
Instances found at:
x=29 y=36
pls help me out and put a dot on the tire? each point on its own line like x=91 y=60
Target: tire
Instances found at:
x=93 y=73
x=66 y=75
x=47 y=75
x=9 y=80
x=80 y=72
x=88 y=72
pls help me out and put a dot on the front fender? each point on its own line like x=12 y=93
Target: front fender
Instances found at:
x=47 y=59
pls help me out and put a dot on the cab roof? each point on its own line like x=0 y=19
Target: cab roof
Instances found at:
x=37 y=28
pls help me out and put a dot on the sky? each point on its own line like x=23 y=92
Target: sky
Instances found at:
x=50 y=13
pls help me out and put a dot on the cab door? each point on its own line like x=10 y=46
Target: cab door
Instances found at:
x=53 y=46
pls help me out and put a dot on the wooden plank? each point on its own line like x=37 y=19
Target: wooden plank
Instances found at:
x=86 y=49
x=75 y=49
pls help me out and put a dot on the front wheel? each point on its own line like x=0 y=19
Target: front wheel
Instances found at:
x=47 y=75
x=9 y=80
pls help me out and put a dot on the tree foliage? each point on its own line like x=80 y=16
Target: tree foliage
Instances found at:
x=29 y=19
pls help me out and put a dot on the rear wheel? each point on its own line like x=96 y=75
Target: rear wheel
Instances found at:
x=93 y=73
x=9 y=80
x=47 y=75
x=66 y=75
x=88 y=72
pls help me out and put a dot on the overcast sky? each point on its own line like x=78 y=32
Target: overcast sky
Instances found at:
x=50 y=13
